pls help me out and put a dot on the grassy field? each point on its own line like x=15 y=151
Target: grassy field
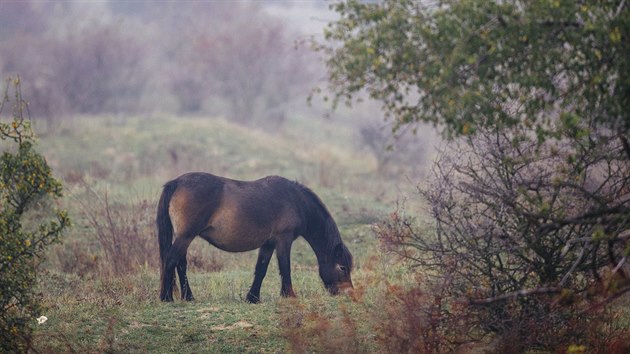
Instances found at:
x=100 y=286
x=113 y=168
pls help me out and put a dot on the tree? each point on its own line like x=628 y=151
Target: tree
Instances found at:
x=26 y=223
x=530 y=202
x=93 y=65
x=243 y=58
x=474 y=63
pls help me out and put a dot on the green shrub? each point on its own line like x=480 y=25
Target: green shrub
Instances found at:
x=27 y=224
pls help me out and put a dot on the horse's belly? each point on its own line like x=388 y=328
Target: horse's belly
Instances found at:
x=240 y=224
x=233 y=236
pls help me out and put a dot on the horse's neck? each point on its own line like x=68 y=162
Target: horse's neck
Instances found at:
x=323 y=238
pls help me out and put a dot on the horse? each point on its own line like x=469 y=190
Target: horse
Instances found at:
x=237 y=216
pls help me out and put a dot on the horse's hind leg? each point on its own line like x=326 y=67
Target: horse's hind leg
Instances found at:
x=183 y=279
x=176 y=253
x=264 y=255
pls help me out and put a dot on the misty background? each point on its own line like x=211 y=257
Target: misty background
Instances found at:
x=248 y=62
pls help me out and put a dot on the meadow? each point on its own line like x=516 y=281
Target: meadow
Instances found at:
x=100 y=286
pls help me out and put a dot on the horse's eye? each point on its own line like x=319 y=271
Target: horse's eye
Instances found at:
x=343 y=268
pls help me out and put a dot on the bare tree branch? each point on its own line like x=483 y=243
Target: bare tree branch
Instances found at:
x=515 y=294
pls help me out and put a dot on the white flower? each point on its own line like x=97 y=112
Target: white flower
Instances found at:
x=42 y=319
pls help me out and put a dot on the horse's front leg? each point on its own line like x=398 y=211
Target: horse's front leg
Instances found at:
x=283 y=252
x=264 y=255
x=176 y=253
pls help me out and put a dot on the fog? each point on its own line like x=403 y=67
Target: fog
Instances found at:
x=249 y=62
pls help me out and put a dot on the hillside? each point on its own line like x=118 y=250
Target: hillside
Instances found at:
x=101 y=285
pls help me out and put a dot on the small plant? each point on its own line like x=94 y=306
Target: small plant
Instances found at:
x=124 y=231
x=27 y=223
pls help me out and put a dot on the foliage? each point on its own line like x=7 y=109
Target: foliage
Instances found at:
x=531 y=204
x=25 y=181
x=469 y=64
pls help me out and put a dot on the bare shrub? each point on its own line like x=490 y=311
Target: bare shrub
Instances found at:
x=384 y=317
x=420 y=321
x=73 y=65
x=310 y=330
x=435 y=317
x=197 y=260
x=125 y=232
x=247 y=61
x=401 y=152
x=561 y=330
x=531 y=235
x=75 y=258
x=417 y=319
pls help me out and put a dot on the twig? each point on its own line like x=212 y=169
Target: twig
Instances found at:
x=620 y=7
x=573 y=266
x=621 y=262
x=516 y=294
x=608 y=300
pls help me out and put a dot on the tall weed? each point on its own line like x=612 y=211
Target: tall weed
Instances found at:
x=124 y=231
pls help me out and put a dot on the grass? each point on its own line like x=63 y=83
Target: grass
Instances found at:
x=91 y=310
x=124 y=315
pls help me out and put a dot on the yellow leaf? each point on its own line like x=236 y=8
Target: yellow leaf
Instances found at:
x=575 y=349
x=615 y=35
x=466 y=128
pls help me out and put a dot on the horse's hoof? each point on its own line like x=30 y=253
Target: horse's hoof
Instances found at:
x=166 y=298
x=287 y=293
x=252 y=299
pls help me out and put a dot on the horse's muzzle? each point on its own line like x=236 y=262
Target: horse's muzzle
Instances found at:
x=341 y=288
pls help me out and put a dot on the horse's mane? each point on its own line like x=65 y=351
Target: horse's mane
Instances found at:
x=330 y=227
x=314 y=198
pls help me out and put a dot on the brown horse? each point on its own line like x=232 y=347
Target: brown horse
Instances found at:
x=238 y=216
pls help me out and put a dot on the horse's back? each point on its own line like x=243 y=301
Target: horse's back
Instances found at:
x=252 y=213
x=235 y=215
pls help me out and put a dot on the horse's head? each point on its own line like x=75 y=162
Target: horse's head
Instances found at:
x=336 y=272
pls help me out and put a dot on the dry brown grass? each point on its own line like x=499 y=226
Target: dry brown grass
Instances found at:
x=124 y=235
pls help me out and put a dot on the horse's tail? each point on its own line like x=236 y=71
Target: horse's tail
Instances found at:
x=163 y=220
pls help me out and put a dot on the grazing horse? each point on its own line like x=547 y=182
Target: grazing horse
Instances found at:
x=238 y=216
